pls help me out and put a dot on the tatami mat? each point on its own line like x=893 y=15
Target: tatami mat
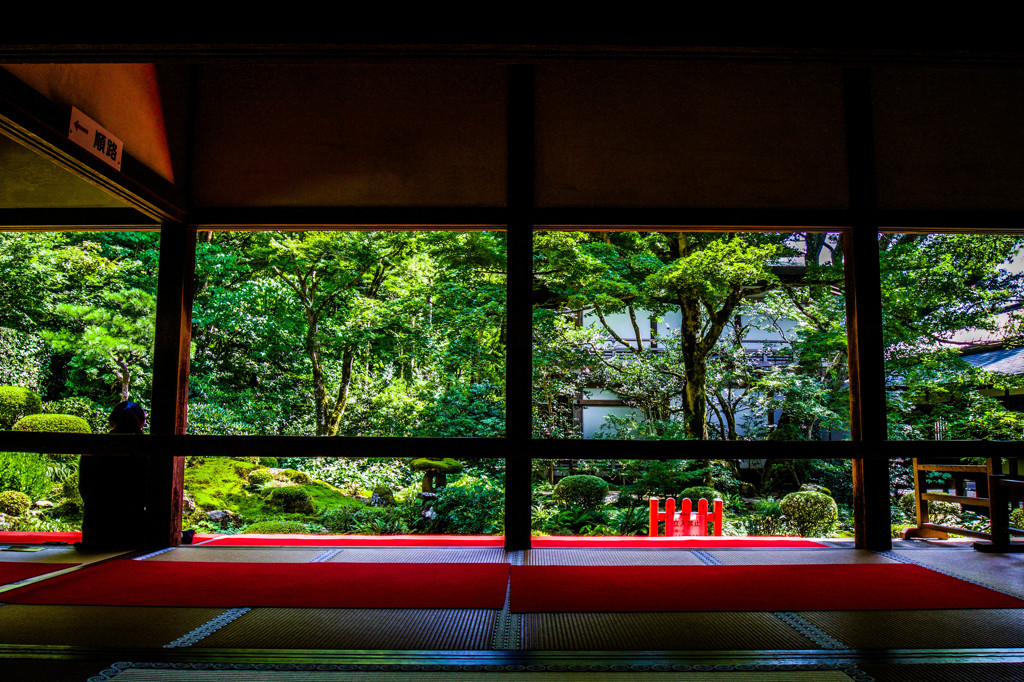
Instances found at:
x=56 y=554
x=946 y=672
x=1000 y=571
x=611 y=557
x=923 y=629
x=99 y=626
x=237 y=554
x=412 y=555
x=671 y=631
x=765 y=557
x=489 y=673
x=415 y=555
x=286 y=628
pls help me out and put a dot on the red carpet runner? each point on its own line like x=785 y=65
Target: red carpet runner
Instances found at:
x=126 y=582
x=13 y=571
x=805 y=587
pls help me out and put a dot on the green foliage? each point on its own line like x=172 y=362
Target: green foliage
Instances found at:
x=809 y=513
x=466 y=411
x=27 y=472
x=767 y=518
x=579 y=521
x=277 y=527
x=583 y=491
x=938 y=511
x=469 y=506
x=700 y=491
x=14 y=502
x=53 y=423
x=1017 y=518
x=382 y=520
x=79 y=406
x=17 y=402
x=356 y=474
x=270 y=462
x=290 y=500
x=659 y=479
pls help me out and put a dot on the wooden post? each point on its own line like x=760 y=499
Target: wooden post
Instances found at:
x=519 y=353
x=165 y=475
x=864 y=315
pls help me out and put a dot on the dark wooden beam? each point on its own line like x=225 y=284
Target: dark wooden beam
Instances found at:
x=171 y=445
x=864 y=321
x=165 y=475
x=519 y=296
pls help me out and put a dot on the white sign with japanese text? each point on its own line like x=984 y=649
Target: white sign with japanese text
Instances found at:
x=88 y=134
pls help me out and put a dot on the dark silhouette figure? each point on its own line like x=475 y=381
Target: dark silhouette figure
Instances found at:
x=113 y=488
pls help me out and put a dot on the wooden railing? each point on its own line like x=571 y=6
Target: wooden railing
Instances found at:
x=993 y=495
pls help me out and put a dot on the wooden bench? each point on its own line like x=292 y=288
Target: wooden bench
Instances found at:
x=686 y=521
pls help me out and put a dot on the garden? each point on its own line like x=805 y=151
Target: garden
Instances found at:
x=686 y=336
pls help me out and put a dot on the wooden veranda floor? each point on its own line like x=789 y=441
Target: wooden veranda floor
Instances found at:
x=125 y=643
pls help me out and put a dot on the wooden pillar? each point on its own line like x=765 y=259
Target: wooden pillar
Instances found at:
x=864 y=318
x=165 y=471
x=519 y=357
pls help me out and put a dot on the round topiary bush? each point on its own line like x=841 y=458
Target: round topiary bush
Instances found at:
x=696 y=492
x=291 y=500
x=271 y=462
x=257 y=478
x=17 y=402
x=1017 y=518
x=53 y=423
x=810 y=513
x=582 y=490
x=276 y=527
x=14 y=502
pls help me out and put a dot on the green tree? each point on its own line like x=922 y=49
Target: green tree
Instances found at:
x=115 y=334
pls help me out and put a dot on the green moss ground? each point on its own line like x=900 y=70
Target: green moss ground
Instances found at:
x=220 y=483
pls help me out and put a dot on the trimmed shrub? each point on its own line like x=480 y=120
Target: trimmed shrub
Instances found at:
x=276 y=527
x=810 y=513
x=14 y=502
x=1017 y=518
x=258 y=478
x=696 y=492
x=582 y=490
x=270 y=462
x=91 y=412
x=53 y=423
x=291 y=500
x=17 y=402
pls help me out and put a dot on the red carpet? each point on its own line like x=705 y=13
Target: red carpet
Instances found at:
x=499 y=541
x=126 y=582
x=359 y=540
x=810 y=587
x=9 y=537
x=694 y=542
x=13 y=571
